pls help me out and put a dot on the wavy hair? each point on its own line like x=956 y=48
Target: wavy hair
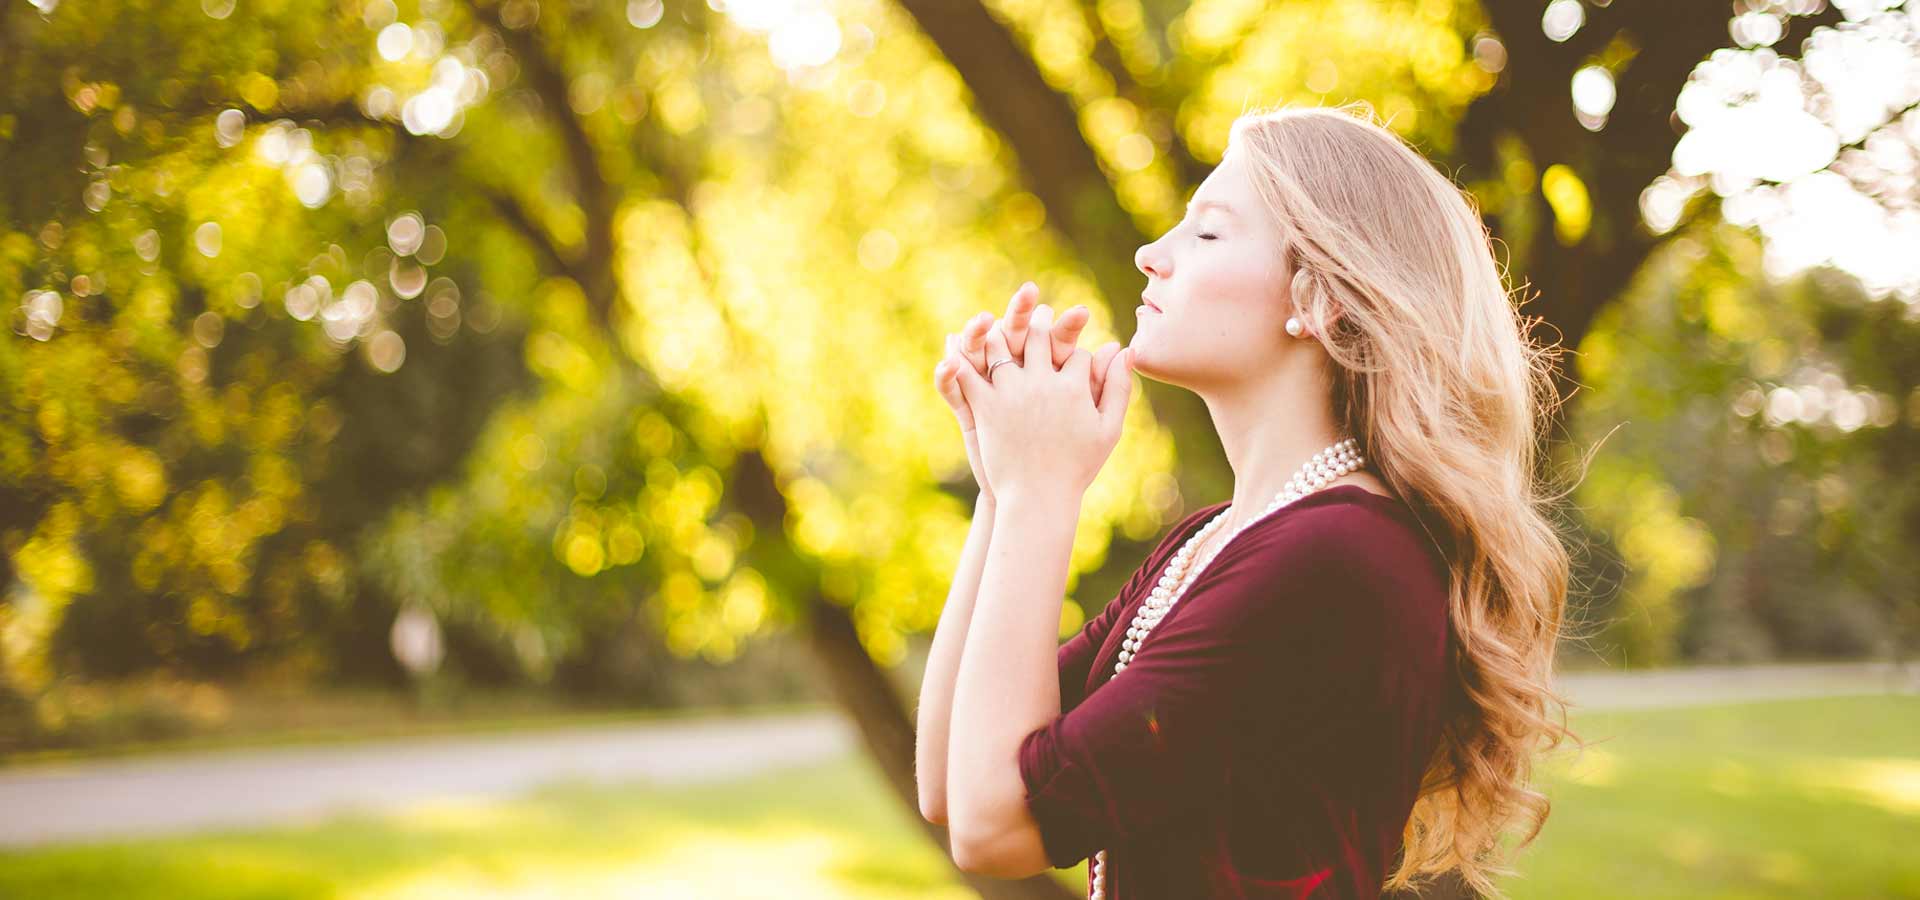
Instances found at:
x=1432 y=372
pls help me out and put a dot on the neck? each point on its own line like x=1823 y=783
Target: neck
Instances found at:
x=1269 y=427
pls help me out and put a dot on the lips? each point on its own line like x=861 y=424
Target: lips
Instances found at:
x=1149 y=303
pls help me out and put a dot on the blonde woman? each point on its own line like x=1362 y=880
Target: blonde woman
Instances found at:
x=1335 y=682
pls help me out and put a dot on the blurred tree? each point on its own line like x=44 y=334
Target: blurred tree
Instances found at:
x=598 y=493
x=187 y=441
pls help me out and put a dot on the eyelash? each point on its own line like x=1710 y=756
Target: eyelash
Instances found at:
x=1205 y=236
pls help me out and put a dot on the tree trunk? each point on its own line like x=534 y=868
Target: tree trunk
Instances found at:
x=869 y=697
x=860 y=686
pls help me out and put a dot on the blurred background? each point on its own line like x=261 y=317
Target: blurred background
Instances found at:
x=488 y=449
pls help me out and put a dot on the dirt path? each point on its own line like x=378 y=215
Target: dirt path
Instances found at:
x=169 y=793
x=165 y=794
x=1733 y=684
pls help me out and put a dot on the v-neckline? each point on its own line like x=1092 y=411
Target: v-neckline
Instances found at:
x=1212 y=512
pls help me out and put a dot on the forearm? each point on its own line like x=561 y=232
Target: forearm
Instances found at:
x=943 y=663
x=1008 y=684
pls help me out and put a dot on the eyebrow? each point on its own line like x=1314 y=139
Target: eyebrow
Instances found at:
x=1192 y=207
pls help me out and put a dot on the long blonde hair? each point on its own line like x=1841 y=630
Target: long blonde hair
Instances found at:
x=1431 y=370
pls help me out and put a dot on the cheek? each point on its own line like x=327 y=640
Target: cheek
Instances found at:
x=1236 y=282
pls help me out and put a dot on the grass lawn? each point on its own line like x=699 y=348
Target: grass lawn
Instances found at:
x=1780 y=799
x=1786 y=798
x=817 y=831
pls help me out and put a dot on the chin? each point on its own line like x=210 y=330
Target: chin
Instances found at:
x=1143 y=363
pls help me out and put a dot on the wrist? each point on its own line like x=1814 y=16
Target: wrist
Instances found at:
x=1027 y=499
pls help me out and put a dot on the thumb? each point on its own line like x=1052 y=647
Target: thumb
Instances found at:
x=1115 y=393
x=949 y=385
x=972 y=385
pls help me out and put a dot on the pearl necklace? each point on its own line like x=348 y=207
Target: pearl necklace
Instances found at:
x=1335 y=461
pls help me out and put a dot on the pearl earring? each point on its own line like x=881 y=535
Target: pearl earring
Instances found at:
x=1295 y=327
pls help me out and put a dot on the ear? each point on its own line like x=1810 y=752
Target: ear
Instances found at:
x=1333 y=317
x=1302 y=291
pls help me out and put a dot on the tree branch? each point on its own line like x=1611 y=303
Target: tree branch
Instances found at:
x=1188 y=169
x=595 y=267
x=1042 y=127
x=517 y=216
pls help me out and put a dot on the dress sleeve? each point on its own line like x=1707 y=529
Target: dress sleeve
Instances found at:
x=1275 y=635
x=1075 y=658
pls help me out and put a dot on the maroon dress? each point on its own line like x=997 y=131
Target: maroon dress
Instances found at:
x=1269 y=737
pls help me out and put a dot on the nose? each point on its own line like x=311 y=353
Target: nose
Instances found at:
x=1148 y=263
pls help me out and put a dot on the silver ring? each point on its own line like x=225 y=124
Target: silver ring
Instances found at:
x=996 y=364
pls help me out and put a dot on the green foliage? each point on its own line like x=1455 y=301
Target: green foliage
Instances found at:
x=189 y=437
x=1755 y=464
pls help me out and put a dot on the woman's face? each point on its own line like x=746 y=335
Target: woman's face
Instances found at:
x=1218 y=281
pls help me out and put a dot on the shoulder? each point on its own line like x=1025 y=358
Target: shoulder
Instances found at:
x=1349 y=525
x=1368 y=549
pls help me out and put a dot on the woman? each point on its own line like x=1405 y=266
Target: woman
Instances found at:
x=1335 y=682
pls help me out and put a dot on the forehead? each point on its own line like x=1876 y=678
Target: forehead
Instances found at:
x=1224 y=190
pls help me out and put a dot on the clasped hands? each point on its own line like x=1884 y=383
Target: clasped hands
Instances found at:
x=1031 y=428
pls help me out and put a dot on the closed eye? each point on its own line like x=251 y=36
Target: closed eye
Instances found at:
x=1209 y=237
